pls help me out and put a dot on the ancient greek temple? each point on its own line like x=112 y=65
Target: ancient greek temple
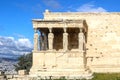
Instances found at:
x=74 y=44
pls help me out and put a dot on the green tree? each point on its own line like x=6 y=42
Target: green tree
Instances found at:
x=24 y=62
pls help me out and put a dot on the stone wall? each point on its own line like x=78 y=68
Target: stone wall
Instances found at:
x=103 y=40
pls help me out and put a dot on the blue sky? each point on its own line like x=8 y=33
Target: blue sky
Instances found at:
x=16 y=16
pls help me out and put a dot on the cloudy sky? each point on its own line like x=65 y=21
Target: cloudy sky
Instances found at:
x=16 y=32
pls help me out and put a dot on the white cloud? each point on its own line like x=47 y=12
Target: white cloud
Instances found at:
x=90 y=8
x=24 y=42
x=8 y=45
x=1 y=43
x=10 y=38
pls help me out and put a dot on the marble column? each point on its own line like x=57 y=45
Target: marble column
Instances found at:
x=81 y=40
x=50 y=39
x=65 y=40
x=36 y=40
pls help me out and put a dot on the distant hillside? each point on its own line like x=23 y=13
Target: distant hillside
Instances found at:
x=7 y=62
x=9 y=56
x=9 y=59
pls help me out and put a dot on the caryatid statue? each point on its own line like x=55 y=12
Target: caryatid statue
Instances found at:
x=81 y=40
x=50 y=39
x=35 y=39
x=65 y=40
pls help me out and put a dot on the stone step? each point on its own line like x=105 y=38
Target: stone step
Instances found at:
x=62 y=73
x=67 y=75
x=60 y=70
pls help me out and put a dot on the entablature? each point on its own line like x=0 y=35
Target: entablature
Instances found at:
x=41 y=23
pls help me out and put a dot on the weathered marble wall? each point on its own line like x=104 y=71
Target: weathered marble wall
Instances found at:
x=103 y=40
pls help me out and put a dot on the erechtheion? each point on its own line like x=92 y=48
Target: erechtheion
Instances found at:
x=76 y=43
